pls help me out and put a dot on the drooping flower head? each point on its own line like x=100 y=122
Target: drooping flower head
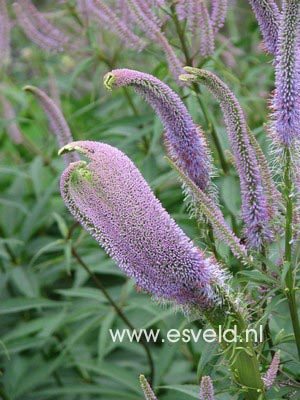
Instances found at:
x=58 y=124
x=268 y=16
x=206 y=389
x=113 y=202
x=255 y=207
x=148 y=392
x=185 y=141
x=286 y=101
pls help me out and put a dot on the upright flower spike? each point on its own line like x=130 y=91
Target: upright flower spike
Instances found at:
x=153 y=31
x=255 y=207
x=270 y=375
x=206 y=389
x=135 y=230
x=286 y=101
x=148 y=392
x=4 y=35
x=207 y=40
x=218 y=14
x=185 y=141
x=268 y=16
x=58 y=124
x=107 y=16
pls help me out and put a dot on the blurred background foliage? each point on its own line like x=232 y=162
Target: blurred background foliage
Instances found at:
x=55 y=322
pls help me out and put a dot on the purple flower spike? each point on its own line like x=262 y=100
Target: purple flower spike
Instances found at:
x=207 y=43
x=256 y=210
x=286 y=101
x=267 y=15
x=270 y=375
x=185 y=141
x=148 y=392
x=206 y=389
x=107 y=16
x=58 y=124
x=114 y=203
x=4 y=34
x=153 y=31
x=42 y=24
x=218 y=14
x=32 y=31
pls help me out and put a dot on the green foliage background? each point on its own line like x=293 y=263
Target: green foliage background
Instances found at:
x=55 y=322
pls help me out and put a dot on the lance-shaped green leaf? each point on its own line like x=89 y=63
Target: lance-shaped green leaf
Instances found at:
x=214 y=215
x=256 y=207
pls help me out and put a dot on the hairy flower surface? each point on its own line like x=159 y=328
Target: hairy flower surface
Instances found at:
x=58 y=124
x=113 y=202
x=4 y=35
x=286 y=101
x=185 y=141
x=255 y=207
x=270 y=375
x=268 y=16
x=206 y=389
x=148 y=392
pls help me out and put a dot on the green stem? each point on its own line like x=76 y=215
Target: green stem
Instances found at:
x=118 y=310
x=289 y=280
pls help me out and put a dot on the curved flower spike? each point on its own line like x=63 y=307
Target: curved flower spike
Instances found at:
x=148 y=392
x=255 y=207
x=206 y=389
x=58 y=124
x=270 y=376
x=286 y=101
x=267 y=15
x=185 y=141
x=114 y=203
